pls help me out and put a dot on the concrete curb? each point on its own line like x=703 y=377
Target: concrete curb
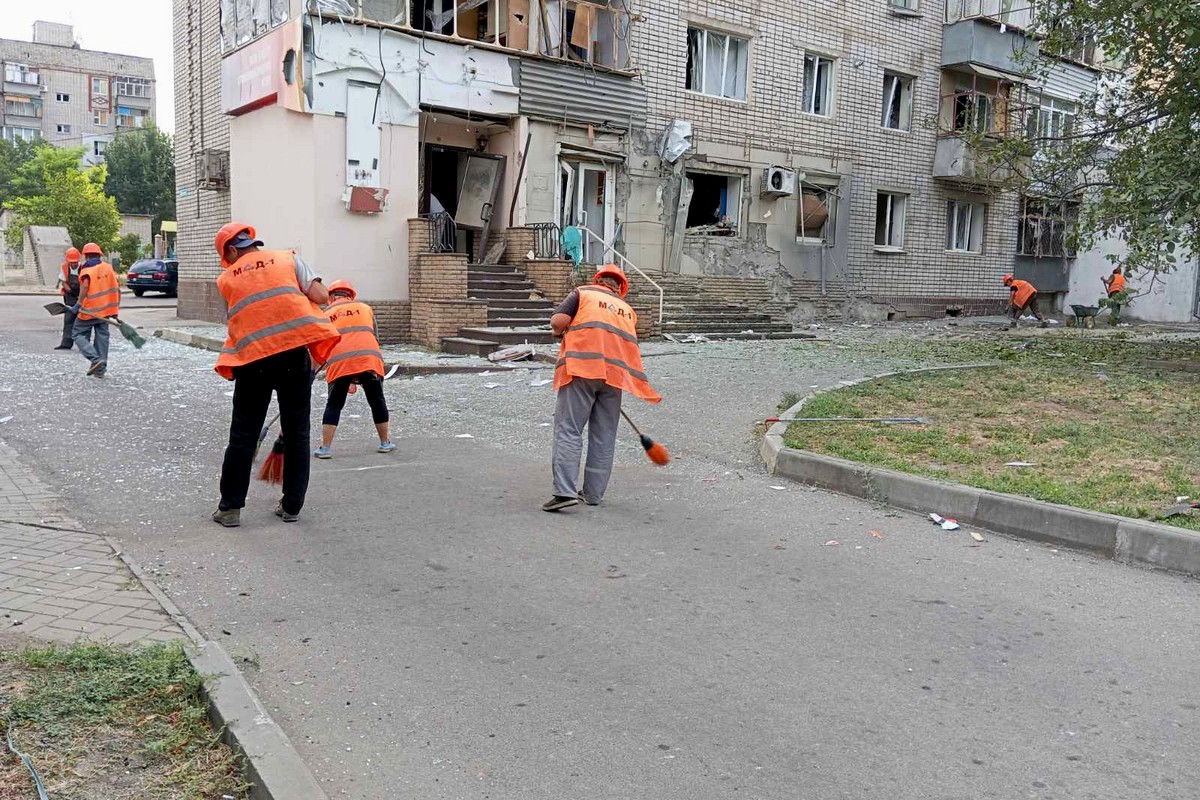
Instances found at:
x=273 y=766
x=1129 y=541
x=189 y=339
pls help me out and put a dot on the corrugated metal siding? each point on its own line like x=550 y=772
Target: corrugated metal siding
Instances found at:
x=1069 y=81
x=561 y=92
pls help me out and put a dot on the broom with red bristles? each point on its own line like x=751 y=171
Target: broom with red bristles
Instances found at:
x=654 y=451
x=272 y=468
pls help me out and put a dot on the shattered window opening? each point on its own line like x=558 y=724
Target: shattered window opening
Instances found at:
x=717 y=64
x=818 y=86
x=815 y=218
x=890 y=209
x=716 y=201
x=897 y=101
x=1044 y=228
x=964 y=226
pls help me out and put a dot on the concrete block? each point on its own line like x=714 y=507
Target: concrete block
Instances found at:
x=1046 y=522
x=827 y=472
x=273 y=766
x=925 y=495
x=1161 y=546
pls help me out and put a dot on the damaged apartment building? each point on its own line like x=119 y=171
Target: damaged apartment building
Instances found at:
x=806 y=157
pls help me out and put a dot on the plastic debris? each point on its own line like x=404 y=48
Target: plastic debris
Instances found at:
x=229 y=394
x=541 y=382
x=977 y=536
x=464 y=436
x=945 y=523
x=1020 y=464
x=5 y=419
x=831 y=543
x=491 y=385
x=779 y=488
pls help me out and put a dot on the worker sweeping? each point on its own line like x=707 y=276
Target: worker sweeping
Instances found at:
x=99 y=299
x=276 y=332
x=599 y=360
x=68 y=287
x=356 y=361
x=1023 y=299
x=1114 y=285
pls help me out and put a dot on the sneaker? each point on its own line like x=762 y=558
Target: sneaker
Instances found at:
x=583 y=498
x=386 y=447
x=63 y=347
x=97 y=367
x=323 y=452
x=229 y=517
x=1045 y=324
x=285 y=516
x=558 y=503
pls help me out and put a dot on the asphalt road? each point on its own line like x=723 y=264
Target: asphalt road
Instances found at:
x=426 y=632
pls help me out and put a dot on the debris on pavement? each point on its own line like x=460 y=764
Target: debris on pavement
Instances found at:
x=464 y=436
x=518 y=352
x=5 y=419
x=977 y=536
x=1020 y=464
x=541 y=382
x=877 y=534
x=946 y=523
x=491 y=385
x=779 y=488
x=831 y=543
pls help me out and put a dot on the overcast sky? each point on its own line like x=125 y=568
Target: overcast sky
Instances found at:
x=131 y=27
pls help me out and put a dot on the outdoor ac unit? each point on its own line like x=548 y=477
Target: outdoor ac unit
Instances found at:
x=212 y=169
x=778 y=182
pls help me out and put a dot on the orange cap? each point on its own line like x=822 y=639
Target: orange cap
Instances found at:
x=92 y=249
x=344 y=287
x=613 y=271
x=72 y=254
x=1008 y=279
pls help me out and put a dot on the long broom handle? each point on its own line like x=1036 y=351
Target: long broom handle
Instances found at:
x=627 y=419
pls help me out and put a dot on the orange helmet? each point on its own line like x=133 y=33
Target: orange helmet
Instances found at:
x=72 y=254
x=231 y=231
x=1008 y=279
x=613 y=271
x=92 y=249
x=344 y=287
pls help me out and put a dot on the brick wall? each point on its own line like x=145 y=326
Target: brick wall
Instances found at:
x=199 y=125
x=394 y=320
x=437 y=289
x=935 y=307
x=554 y=277
x=518 y=242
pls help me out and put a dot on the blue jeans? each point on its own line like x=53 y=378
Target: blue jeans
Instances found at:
x=84 y=331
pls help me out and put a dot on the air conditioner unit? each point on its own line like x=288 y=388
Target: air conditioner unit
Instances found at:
x=778 y=182
x=212 y=169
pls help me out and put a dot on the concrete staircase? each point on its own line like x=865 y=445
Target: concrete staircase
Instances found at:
x=516 y=315
x=716 y=307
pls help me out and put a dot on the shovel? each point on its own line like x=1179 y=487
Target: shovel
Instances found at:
x=127 y=330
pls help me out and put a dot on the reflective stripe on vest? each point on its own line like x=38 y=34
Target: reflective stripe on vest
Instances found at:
x=601 y=344
x=268 y=313
x=104 y=294
x=358 y=351
x=1022 y=291
x=1116 y=285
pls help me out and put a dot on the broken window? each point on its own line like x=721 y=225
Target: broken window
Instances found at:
x=815 y=219
x=908 y=5
x=964 y=226
x=1051 y=118
x=818 y=86
x=717 y=64
x=434 y=16
x=890 y=209
x=974 y=103
x=1045 y=225
x=716 y=201
x=897 y=101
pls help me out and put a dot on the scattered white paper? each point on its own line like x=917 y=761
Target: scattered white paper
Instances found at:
x=1020 y=464
x=490 y=385
x=229 y=394
x=5 y=419
x=779 y=488
x=543 y=424
x=542 y=382
x=949 y=525
x=831 y=543
x=464 y=436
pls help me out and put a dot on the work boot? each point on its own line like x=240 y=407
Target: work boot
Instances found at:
x=558 y=503
x=285 y=516
x=229 y=517
x=97 y=367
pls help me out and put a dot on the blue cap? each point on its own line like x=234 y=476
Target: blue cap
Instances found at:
x=244 y=240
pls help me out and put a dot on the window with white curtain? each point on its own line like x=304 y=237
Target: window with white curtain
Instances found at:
x=717 y=64
x=897 y=101
x=818 y=86
x=964 y=226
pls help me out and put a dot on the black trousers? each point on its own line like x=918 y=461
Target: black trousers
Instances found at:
x=289 y=376
x=68 y=319
x=372 y=386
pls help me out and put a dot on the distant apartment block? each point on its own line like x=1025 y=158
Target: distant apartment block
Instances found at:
x=56 y=91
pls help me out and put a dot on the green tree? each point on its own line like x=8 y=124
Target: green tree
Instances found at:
x=1133 y=152
x=141 y=173
x=75 y=200
x=45 y=163
x=13 y=155
x=130 y=248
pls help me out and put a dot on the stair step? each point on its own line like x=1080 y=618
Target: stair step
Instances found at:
x=499 y=294
x=499 y=283
x=524 y=304
x=516 y=322
x=534 y=316
x=507 y=336
x=465 y=346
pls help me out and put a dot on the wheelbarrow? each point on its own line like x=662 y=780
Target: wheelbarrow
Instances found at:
x=1085 y=316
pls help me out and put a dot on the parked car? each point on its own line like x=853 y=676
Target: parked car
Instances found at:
x=153 y=275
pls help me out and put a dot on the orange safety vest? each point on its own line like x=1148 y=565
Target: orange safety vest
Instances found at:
x=601 y=344
x=103 y=294
x=268 y=313
x=358 y=351
x=1021 y=292
x=1117 y=284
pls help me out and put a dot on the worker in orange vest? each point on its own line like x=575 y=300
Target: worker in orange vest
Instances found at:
x=99 y=299
x=356 y=361
x=68 y=287
x=598 y=361
x=1114 y=285
x=1023 y=300
x=275 y=333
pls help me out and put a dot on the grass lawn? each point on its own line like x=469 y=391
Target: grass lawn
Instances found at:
x=1110 y=425
x=102 y=722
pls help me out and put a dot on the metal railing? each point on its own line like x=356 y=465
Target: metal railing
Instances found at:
x=606 y=247
x=444 y=238
x=548 y=243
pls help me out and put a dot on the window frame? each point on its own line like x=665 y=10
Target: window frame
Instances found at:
x=63 y=127
x=62 y=97
x=1038 y=211
x=124 y=86
x=830 y=85
x=741 y=61
x=1042 y=117
x=889 y=226
x=829 y=186
x=909 y=6
x=99 y=117
x=907 y=84
x=733 y=202
x=976 y=226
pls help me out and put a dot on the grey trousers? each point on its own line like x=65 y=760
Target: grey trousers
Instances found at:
x=597 y=406
x=68 y=321
x=83 y=332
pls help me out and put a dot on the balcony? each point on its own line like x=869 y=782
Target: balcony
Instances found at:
x=21 y=110
x=961 y=161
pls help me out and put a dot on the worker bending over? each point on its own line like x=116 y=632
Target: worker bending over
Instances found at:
x=1022 y=300
x=99 y=299
x=599 y=360
x=1114 y=285
x=356 y=361
x=68 y=287
x=276 y=331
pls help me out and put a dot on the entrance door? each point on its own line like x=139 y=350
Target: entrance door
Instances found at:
x=586 y=199
x=478 y=193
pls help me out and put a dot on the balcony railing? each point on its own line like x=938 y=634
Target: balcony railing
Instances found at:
x=1014 y=13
